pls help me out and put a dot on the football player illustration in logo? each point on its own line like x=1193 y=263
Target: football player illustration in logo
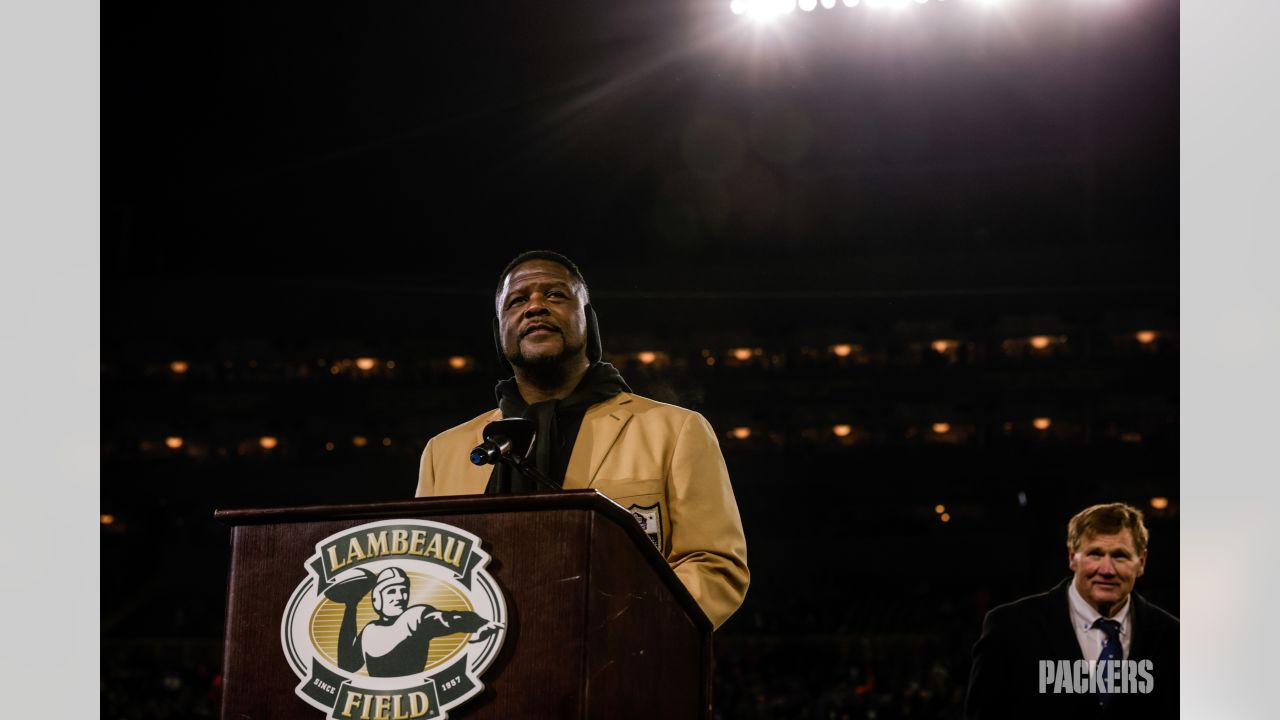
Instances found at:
x=397 y=642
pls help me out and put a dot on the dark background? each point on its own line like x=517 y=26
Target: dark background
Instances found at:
x=294 y=193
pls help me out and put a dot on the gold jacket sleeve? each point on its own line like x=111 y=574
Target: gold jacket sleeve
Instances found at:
x=708 y=548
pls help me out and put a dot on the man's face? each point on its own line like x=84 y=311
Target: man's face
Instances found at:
x=540 y=316
x=394 y=599
x=1106 y=567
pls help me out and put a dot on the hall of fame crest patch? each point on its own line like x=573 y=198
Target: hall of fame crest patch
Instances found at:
x=650 y=519
x=395 y=619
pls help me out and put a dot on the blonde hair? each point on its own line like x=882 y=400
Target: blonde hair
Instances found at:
x=1107 y=519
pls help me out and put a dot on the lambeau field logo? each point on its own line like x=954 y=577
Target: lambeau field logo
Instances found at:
x=395 y=620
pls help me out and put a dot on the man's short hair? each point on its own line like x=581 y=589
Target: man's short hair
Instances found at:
x=1107 y=519
x=551 y=255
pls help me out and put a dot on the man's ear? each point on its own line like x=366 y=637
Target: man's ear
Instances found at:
x=594 y=348
x=497 y=344
x=1142 y=564
x=1071 y=559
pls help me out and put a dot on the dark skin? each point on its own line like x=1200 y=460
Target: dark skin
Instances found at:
x=543 y=328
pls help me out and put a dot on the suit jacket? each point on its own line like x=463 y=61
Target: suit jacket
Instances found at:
x=1005 y=680
x=660 y=461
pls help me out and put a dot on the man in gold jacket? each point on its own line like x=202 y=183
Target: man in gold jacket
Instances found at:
x=659 y=461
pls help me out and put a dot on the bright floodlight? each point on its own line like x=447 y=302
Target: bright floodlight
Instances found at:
x=762 y=10
x=808 y=5
x=828 y=4
x=851 y=3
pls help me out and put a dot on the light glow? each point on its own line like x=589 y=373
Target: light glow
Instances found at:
x=107 y=519
x=1041 y=423
x=1146 y=337
x=942 y=428
x=945 y=517
x=359 y=441
x=740 y=433
x=808 y=5
x=178 y=367
x=459 y=362
x=366 y=363
x=741 y=354
x=842 y=350
x=939 y=508
x=1040 y=342
x=762 y=10
x=1159 y=503
x=268 y=442
x=646 y=357
x=173 y=442
x=842 y=430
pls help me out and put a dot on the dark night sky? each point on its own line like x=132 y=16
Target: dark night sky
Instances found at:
x=282 y=152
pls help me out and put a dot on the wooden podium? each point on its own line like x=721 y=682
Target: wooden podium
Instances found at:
x=598 y=626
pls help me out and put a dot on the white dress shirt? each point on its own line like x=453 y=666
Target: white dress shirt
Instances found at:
x=1083 y=616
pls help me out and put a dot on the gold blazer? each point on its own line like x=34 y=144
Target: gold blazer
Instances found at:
x=659 y=461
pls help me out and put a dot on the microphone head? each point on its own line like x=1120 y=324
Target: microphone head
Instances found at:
x=513 y=435
x=483 y=454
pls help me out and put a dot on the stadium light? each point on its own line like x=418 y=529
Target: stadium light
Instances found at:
x=762 y=10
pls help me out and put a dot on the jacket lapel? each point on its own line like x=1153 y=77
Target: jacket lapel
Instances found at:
x=1137 y=648
x=1060 y=624
x=601 y=426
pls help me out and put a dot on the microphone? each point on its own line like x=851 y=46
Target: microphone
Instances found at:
x=509 y=441
x=504 y=437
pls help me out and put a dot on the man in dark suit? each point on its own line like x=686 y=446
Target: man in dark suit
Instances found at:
x=1090 y=647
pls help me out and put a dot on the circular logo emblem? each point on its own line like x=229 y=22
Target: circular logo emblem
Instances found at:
x=395 y=619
